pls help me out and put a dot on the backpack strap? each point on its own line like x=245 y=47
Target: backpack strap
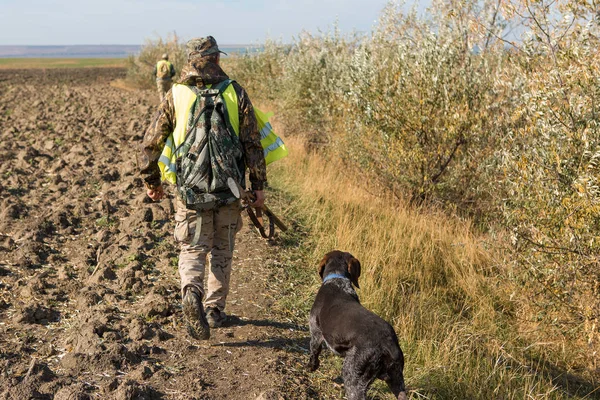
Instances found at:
x=190 y=128
x=221 y=87
x=213 y=91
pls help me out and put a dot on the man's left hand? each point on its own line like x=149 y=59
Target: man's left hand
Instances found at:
x=156 y=194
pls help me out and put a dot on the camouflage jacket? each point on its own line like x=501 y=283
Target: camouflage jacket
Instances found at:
x=200 y=73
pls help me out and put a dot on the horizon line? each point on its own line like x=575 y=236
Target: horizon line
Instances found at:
x=109 y=44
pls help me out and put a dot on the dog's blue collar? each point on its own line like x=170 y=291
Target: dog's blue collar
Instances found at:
x=332 y=276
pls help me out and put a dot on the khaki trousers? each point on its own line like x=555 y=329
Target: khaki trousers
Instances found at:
x=215 y=245
x=163 y=86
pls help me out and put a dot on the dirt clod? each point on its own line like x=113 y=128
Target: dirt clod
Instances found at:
x=73 y=392
x=36 y=315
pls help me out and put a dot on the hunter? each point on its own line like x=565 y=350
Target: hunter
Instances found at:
x=205 y=131
x=164 y=73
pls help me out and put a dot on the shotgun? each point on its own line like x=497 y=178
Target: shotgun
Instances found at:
x=247 y=197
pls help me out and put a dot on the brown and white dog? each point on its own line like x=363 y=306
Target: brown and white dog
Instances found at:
x=368 y=343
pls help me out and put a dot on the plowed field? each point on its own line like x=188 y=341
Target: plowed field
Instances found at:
x=89 y=290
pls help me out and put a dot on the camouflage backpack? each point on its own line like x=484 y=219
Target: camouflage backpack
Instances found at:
x=210 y=154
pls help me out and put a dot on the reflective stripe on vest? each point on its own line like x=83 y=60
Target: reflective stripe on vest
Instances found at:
x=273 y=146
x=183 y=100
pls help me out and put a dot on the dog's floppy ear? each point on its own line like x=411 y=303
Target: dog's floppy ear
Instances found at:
x=322 y=266
x=353 y=269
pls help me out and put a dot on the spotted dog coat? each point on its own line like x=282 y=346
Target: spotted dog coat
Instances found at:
x=368 y=343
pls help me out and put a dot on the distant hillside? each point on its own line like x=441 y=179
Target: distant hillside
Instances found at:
x=89 y=51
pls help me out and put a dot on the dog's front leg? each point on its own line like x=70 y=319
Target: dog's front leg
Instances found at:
x=316 y=344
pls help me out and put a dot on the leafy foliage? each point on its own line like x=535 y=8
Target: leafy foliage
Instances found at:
x=550 y=165
x=139 y=67
x=446 y=109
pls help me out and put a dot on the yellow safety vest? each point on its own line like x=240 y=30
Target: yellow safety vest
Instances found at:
x=158 y=66
x=183 y=99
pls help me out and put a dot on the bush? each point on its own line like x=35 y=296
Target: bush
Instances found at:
x=420 y=110
x=551 y=173
x=259 y=71
x=441 y=110
x=140 y=67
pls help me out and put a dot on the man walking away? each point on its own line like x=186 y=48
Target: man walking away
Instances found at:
x=164 y=73
x=204 y=133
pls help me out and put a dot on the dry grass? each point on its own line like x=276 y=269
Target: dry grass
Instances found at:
x=430 y=276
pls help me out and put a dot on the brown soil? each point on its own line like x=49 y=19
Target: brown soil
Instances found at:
x=89 y=293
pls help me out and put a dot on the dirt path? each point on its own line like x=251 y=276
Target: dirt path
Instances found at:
x=89 y=294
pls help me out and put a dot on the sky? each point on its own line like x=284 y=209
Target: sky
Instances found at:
x=72 y=22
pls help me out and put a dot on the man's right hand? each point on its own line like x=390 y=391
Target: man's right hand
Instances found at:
x=259 y=199
x=157 y=193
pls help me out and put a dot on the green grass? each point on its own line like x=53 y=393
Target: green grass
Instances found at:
x=36 y=63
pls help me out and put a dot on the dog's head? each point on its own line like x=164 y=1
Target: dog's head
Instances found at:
x=339 y=262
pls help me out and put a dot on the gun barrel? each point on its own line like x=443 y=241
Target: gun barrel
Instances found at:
x=275 y=218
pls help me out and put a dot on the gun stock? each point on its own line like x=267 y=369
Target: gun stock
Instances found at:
x=247 y=196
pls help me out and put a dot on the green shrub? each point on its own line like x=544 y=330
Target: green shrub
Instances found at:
x=140 y=67
x=259 y=70
x=441 y=110
x=550 y=169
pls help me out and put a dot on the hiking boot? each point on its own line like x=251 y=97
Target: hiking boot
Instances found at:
x=197 y=324
x=216 y=318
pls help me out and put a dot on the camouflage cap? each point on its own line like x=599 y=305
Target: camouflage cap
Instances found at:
x=200 y=47
x=165 y=56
